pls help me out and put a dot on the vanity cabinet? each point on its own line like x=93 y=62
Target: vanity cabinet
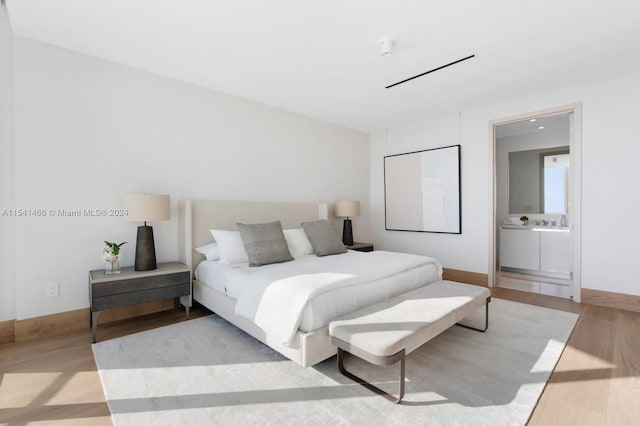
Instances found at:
x=555 y=251
x=542 y=252
x=519 y=249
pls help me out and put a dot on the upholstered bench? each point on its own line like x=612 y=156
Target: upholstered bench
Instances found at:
x=386 y=332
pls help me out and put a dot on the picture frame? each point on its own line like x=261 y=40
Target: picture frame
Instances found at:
x=422 y=191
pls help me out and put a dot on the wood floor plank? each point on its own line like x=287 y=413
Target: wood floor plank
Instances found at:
x=624 y=389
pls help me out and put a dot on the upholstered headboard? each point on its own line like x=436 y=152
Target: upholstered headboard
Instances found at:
x=198 y=216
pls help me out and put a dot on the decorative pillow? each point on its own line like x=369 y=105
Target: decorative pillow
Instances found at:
x=209 y=251
x=265 y=243
x=324 y=238
x=299 y=244
x=230 y=246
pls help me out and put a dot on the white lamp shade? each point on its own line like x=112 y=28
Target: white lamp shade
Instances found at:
x=147 y=207
x=346 y=208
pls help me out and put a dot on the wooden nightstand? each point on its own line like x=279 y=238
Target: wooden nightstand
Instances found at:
x=131 y=287
x=361 y=247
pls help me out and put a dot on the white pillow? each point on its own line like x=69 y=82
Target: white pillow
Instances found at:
x=209 y=251
x=298 y=243
x=230 y=246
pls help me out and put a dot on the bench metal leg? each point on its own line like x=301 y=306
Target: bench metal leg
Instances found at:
x=371 y=386
x=486 y=319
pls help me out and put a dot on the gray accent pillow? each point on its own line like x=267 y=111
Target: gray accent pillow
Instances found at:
x=265 y=243
x=324 y=239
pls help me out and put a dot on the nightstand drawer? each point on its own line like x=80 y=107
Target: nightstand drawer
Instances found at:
x=138 y=284
x=139 y=296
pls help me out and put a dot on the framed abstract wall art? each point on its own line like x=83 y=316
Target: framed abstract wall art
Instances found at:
x=422 y=191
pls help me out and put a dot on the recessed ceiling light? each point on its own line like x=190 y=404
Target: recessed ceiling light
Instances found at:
x=533 y=119
x=541 y=127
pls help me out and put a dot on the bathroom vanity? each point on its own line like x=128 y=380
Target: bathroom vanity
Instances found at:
x=537 y=250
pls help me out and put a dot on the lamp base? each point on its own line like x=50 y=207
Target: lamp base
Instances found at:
x=347 y=233
x=145 y=250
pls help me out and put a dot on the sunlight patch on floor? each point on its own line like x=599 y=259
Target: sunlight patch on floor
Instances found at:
x=25 y=388
x=49 y=389
x=580 y=359
x=80 y=388
x=552 y=346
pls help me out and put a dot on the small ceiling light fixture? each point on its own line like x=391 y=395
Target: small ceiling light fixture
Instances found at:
x=541 y=127
x=386 y=46
x=533 y=119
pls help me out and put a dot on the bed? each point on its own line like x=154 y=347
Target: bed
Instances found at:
x=361 y=279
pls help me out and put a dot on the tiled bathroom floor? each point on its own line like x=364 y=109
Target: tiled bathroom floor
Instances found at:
x=534 y=284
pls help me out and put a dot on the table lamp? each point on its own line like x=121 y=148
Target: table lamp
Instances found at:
x=146 y=208
x=347 y=209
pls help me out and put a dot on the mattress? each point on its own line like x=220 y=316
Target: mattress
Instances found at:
x=213 y=274
x=236 y=280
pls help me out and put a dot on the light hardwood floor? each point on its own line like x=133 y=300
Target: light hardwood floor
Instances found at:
x=53 y=380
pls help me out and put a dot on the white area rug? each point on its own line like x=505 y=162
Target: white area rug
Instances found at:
x=206 y=371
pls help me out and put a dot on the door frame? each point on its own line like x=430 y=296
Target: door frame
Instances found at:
x=575 y=196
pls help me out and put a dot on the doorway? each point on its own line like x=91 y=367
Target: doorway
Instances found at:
x=536 y=192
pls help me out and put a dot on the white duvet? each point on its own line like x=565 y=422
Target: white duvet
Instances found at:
x=274 y=296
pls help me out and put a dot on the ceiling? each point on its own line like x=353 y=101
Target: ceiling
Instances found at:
x=555 y=122
x=322 y=59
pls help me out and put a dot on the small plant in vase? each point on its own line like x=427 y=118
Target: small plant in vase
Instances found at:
x=111 y=255
x=524 y=220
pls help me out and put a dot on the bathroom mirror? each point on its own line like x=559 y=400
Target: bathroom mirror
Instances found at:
x=538 y=181
x=523 y=184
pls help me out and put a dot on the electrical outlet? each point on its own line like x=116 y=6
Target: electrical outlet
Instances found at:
x=52 y=290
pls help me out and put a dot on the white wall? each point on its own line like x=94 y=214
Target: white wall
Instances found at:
x=88 y=131
x=610 y=152
x=7 y=234
x=433 y=133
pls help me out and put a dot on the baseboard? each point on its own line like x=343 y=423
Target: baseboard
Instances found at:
x=64 y=322
x=7 y=331
x=49 y=325
x=465 y=277
x=626 y=302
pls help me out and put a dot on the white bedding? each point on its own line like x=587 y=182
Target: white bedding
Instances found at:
x=309 y=292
